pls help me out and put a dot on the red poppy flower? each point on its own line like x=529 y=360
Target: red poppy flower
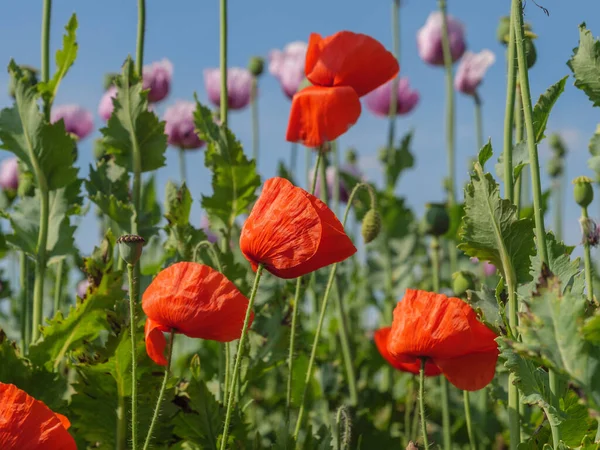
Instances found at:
x=292 y=233
x=342 y=68
x=381 y=341
x=446 y=331
x=195 y=300
x=28 y=424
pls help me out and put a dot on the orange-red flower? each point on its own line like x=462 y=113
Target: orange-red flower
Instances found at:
x=28 y=424
x=381 y=337
x=342 y=68
x=195 y=300
x=446 y=331
x=292 y=233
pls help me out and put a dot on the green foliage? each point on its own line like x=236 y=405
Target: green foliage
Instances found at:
x=491 y=230
x=132 y=128
x=65 y=57
x=234 y=179
x=108 y=188
x=594 y=147
x=401 y=160
x=543 y=107
x=487 y=306
x=585 y=64
x=46 y=149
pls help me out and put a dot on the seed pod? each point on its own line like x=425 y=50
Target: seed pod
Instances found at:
x=130 y=248
x=583 y=191
x=437 y=220
x=371 y=225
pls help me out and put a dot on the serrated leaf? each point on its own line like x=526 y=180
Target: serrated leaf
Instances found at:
x=402 y=159
x=585 y=64
x=65 y=57
x=486 y=305
x=485 y=153
x=577 y=423
x=234 y=180
x=101 y=259
x=178 y=204
x=132 y=127
x=543 y=107
x=491 y=230
x=84 y=323
x=149 y=213
x=45 y=148
x=153 y=257
x=520 y=159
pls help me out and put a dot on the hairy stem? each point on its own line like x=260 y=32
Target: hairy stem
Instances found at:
x=422 y=404
x=394 y=93
x=467 y=402
x=587 y=261
x=141 y=30
x=255 y=128
x=132 y=325
x=58 y=285
x=223 y=104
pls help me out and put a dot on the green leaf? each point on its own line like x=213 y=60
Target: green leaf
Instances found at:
x=178 y=204
x=491 y=230
x=520 y=159
x=108 y=188
x=153 y=256
x=85 y=322
x=101 y=259
x=150 y=214
x=591 y=329
x=45 y=148
x=527 y=212
x=585 y=64
x=578 y=422
x=65 y=57
x=485 y=153
x=486 y=305
x=402 y=159
x=543 y=107
x=234 y=180
x=132 y=128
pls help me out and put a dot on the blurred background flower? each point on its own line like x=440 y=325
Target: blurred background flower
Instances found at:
x=105 y=108
x=78 y=121
x=378 y=101
x=9 y=173
x=157 y=77
x=239 y=85
x=287 y=66
x=180 y=126
x=429 y=39
x=471 y=69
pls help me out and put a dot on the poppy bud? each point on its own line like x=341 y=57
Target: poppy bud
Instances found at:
x=130 y=248
x=462 y=282
x=29 y=78
x=583 y=191
x=437 y=220
x=351 y=156
x=555 y=168
x=256 y=66
x=503 y=30
x=531 y=52
x=371 y=225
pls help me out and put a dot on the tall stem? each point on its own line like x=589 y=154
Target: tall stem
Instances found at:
x=25 y=318
x=557 y=186
x=46 y=14
x=293 y=158
x=394 y=93
x=161 y=393
x=467 y=403
x=223 y=60
x=509 y=116
x=335 y=195
x=182 y=171
x=254 y=108
x=58 y=285
x=346 y=350
x=435 y=271
x=239 y=355
x=521 y=181
x=517 y=13
x=40 y=267
x=422 y=404
x=587 y=261
x=478 y=122
x=322 y=175
x=307 y=164
x=132 y=325
x=295 y=305
x=141 y=30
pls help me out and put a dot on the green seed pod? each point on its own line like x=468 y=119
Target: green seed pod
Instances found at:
x=462 y=282
x=29 y=78
x=256 y=66
x=437 y=220
x=531 y=52
x=583 y=191
x=555 y=168
x=130 y=248
x=503 y=30
x=371 y=225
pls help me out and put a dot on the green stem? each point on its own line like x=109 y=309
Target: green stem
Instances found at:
x=238 y=356
x=422 y=403
x=132 y=326
x=254 y=111
x=182 y=171
x=346 y=350
x=328 y=288
x=509 y=116
x=295 y=305
x=520 y=181
x=40 y=267
x=408 y=410
x=467 y=402
x=335 y=196
x=161 y=393
x=227 y=379
x=322 y=174
x=558 y=209
x=58 y=285
x=394 y=93
x=435 y=270
x=478 y=121
x=25 y=319
x=46 y=14
x=141 y=29
x=587 y=261
x=293 y=159
x=517 y=13
x=223 y=61
x=121 y=433
x=307 y=164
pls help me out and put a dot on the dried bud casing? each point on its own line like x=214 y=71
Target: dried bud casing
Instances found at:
x=371 y=225
x=130 y=248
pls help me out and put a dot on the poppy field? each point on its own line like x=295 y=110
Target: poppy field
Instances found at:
x=317 y=308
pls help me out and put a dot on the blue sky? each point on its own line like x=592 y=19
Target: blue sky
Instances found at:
x=187 y=33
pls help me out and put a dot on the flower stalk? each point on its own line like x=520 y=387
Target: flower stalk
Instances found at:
x=422 y=403
x=394 y=93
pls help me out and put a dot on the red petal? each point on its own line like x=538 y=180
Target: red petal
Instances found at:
x=156 y=343
x=28 y=424
x=319 y=114
x=197 y=301
x=64 y=420
x=292 y=232
x=470 y=372
x=349 y=59
x=381 y=341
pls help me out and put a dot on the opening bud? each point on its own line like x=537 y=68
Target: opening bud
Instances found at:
x=583 y=191
x=437 y=220
x=130 y=248
x=371 y=225
x=462 y=282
